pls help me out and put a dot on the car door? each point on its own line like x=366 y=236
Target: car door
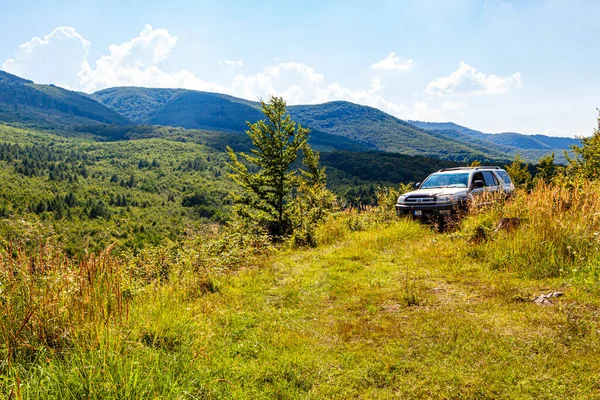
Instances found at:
x=490 y=181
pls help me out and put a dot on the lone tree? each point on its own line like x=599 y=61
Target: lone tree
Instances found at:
x=270 y=175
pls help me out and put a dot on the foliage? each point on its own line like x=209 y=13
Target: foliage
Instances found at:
x=586 y=161
x=84 y=195
x=313 y=202
x=269 y=177
x=519 y=172
x=546 y=169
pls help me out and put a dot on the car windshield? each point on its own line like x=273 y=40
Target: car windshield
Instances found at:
x=459 y=180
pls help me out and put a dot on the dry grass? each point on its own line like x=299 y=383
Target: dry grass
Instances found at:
x=558 y=233
x=52 y=303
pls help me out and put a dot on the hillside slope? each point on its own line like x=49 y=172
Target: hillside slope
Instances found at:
x=364 y=126
x=385 y=132
x=23 y=101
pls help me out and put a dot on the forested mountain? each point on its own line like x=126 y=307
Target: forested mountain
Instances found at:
x=22 y=100
x=340 y=124
x=122 y=112
x=179 y=107
x=387 y=133
x=507 y=139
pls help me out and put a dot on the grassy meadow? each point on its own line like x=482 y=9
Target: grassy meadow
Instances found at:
x=381 y=308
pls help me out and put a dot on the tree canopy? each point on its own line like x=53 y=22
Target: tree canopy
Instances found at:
x=270 y=174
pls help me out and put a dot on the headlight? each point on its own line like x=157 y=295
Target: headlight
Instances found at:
x=402 y=199
x=444 y=199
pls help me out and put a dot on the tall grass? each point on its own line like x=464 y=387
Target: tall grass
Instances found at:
x=558 y=231
x=49 y=301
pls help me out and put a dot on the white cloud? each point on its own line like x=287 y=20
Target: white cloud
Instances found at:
x=232 y=63
x=466 y=80
x=57 y=58
x=393 y=63
x=299 y=83
x=137 y=62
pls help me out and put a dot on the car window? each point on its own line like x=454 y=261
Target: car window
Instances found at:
x=505 y=177
x=459 y=180
x=489 y=179
x=477 y=177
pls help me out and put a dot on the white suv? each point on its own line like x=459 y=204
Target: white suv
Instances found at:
x=451 y=189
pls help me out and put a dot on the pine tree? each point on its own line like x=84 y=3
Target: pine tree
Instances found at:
x=269 y=191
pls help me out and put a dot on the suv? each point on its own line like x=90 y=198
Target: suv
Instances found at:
x=450 y=189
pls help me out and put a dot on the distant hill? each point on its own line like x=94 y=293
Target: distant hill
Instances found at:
x=23 y=101
x=179 y=107
x=531 y=147
x=335 y=125
x=114 y=113
x=386 y=132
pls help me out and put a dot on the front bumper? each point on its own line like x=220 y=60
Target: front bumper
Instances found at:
x=420 y=211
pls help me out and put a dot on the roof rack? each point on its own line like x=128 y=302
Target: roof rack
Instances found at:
x=473 y=168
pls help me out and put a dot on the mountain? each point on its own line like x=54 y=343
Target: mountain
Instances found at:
x=511 y=141
x=22 y=100
x=179 y=107
x=337 y=125
x=387 y=133
x=334 y=125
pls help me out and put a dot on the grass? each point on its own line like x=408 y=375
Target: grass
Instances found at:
x=559 y=232
x=392 y=311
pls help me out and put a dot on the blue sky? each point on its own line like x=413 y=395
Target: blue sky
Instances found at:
x=491 y=65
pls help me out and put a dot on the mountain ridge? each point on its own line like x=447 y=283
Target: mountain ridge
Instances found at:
x=22 y=100
x=365 y=125
x=335 y=125
x=535 y=141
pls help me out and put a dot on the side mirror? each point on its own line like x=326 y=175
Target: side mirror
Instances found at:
x=417 y=185
x=477 y=184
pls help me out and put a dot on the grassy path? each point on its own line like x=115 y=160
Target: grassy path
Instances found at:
x=395 y=312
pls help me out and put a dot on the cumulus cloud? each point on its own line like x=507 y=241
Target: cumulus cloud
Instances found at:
x=393 y=63
x=56 y=58
x=232 y=63
x=466 y=80
x=299 y=83
x=137 y=62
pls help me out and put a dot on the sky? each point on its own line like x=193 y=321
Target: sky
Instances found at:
x=529 y=66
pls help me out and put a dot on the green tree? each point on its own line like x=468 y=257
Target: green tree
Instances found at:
x=518 y=172
x=546 y=169
x=586 y=163
x=270 y=175
x=313 y=200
